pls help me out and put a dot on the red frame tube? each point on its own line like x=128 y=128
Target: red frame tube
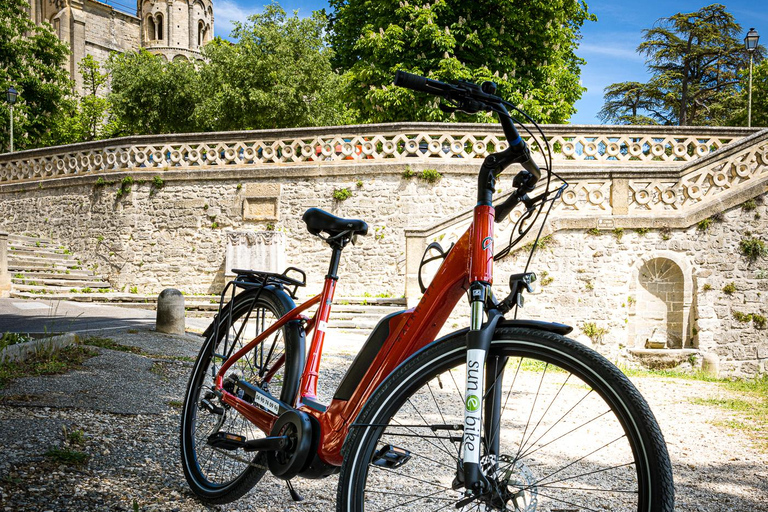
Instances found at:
x=470 y=260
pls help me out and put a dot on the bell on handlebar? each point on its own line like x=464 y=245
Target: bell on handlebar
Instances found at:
x=488 y=87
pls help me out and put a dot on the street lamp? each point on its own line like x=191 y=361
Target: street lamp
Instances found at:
x=750 y=41
x=11 y=100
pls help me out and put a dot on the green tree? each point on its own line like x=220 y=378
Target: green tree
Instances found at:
x=527 y=48
x=277 y=74
x=694 y=59
x=625 y=103
x=150 y=95
x=87 y=117
x=31 y=59
x=736 y=110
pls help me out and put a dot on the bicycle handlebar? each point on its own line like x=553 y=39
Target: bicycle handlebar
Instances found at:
x=471 y=98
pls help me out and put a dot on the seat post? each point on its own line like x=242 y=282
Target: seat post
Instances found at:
x=335 y=259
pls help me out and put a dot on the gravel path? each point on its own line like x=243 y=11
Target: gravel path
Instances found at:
x=130 y=415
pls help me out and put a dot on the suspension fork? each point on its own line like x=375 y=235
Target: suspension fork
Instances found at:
x=477 y=385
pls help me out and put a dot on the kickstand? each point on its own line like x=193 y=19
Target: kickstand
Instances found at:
x=295 y=496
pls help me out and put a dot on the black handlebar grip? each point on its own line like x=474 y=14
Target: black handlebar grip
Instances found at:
x=420 y=83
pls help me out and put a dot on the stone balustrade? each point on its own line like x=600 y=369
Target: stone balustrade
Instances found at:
x=434 y=142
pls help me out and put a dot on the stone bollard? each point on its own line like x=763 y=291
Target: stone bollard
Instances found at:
x=5 y=277
x=170 y=312
x=710 y=364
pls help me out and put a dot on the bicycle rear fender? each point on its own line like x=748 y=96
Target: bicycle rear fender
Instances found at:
x=279 y=293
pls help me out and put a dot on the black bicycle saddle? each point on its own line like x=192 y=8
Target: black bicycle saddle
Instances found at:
x=318 y=221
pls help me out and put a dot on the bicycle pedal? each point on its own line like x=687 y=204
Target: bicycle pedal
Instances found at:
x=226 y=441
x=391 y=457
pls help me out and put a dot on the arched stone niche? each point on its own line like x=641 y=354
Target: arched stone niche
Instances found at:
x=662 y=292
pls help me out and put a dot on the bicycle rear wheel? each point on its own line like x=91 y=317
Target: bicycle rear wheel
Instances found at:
x=217 y=475
x=573 y=434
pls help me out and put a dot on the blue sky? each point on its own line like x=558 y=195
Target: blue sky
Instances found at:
x=608 y=45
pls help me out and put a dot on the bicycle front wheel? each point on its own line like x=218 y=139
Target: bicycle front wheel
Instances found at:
x=572 y=434
x=214 y=473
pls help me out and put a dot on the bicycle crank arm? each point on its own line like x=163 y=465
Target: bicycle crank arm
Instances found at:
x=227 y=441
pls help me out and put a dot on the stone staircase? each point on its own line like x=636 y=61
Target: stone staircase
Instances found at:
x=42 y=269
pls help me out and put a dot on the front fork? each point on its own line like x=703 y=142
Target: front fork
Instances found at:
x=482 y=395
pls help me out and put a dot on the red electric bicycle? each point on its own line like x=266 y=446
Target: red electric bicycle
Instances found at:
x=507 y=414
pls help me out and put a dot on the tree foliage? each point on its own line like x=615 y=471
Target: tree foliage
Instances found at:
x=277 y=74
x=31 y=59
x=626 y=102
x=528 y=49
x=694 y=60
x=87 y=117
x=150 y=95
x=738 y=107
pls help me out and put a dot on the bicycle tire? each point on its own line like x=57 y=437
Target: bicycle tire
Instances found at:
x=215 y=475
x=554 y=454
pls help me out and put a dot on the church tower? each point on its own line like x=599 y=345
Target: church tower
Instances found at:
x=175 y=29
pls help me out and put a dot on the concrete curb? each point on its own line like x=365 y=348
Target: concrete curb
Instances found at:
x=22 y=351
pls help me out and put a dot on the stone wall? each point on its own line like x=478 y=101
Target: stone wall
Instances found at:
x=641 y=249
x=176 y=235
x=599 y=279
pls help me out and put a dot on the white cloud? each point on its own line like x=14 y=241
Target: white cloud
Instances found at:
x=227 y=11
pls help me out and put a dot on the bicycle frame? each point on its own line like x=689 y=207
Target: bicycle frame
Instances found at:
x=469 y=261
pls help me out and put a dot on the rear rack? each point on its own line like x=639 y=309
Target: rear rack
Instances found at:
x=249 y=279
x=252 y=278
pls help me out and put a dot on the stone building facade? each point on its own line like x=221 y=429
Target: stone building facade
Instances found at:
x=173 y=29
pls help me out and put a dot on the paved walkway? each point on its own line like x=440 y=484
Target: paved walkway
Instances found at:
x=127 y=405
x=54 y=316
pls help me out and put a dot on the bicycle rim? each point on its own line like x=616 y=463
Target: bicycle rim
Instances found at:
x=572 y=435
x=216 y=474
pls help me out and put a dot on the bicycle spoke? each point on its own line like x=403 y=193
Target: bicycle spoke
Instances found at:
x=440 y=411
x=414 y=500
x=526 y=454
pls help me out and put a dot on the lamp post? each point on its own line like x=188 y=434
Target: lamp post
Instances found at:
x=750 y=41
x=11 y=100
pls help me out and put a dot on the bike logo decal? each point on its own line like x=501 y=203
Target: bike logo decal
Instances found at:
x=472 y=412
x=487 y=243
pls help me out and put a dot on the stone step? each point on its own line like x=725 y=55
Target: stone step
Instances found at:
x=109 y=297
x=31 y=261
x=38 y=252
x=15 y=267
x=357 y=323
x=371 y=301
x=56 y=284
x=74 y=275
x=23 y=239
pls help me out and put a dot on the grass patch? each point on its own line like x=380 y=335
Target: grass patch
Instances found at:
x=67 y=456
x=45 y=362
x=176 y=404
x=110 y=344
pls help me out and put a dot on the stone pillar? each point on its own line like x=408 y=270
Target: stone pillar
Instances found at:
x=5 y=276
x=414 y=249
x=169 y=27
x=170 y=312
x=620 y=196
x=192 y=36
